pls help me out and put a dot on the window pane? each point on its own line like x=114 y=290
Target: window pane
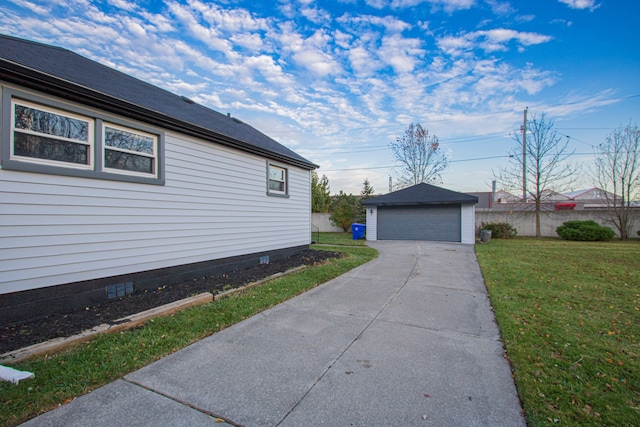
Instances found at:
x=128 y=141
x=276 y=186
x=125 y=161
x=40 y=147
x=276 y=173
x=28 y=118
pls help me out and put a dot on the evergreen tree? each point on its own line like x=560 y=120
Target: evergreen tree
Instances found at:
x=320 y=197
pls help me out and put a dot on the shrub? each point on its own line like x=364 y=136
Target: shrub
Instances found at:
x=586 y=231
x=500 y=230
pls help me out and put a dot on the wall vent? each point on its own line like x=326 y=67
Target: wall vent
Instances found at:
x=119 y=290
x=264 y=259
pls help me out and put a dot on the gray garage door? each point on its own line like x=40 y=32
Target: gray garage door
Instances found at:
x=437 y=222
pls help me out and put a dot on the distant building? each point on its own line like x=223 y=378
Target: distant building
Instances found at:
x=591 y=197
x=488 y=200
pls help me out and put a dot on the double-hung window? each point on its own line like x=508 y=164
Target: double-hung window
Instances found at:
x=277 y=180
x=48 y=136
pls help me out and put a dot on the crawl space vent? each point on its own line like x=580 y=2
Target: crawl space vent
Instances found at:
x=119 y=290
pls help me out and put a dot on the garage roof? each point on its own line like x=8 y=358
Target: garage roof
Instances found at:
x=421 y=194
x=63 y=73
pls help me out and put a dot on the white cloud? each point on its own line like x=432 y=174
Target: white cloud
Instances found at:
x=362 y=61
x=562 y=22
x=40 y=10
x=316 y=15
x=124 y=5
x=500 y=7
x=525 y=18
x=377 y=4
x=231 y=20
x=449 y=6
x=316 y=61
x=205 y=33
x=454 y=46
x=400 y=53
x=250 y=41
x=312 y=53
x=489 y=41
x=581 y=4
x=497 y=40
x=389 y=23
x=160 y=22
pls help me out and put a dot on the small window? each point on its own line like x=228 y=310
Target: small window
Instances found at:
x=129 y=150
x=46 y=135
x=277 y=178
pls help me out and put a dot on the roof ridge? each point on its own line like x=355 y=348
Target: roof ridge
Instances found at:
x=21 y=40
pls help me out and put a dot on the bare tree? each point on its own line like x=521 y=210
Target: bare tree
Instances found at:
x=617 y=171
x=420 y=156
x=548 y=170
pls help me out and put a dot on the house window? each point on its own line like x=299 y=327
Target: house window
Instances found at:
x=129 y=150
x=47 y=135
x=277 y=180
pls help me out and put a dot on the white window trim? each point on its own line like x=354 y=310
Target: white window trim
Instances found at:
x=89 y=143
x=153 y=155
x=278 y=193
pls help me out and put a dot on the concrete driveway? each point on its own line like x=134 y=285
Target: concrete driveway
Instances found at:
x=408 y=339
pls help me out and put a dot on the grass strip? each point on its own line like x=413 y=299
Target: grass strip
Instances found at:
x=61 y=377
x=337 y=239
x=569 y=315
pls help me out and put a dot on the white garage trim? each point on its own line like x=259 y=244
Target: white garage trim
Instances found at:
x=468 y=224
x=372 y=223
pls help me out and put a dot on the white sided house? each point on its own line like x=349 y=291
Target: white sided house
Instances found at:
x=110 y=185
x=422 y=212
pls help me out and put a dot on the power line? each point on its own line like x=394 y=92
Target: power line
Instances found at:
x=357 y=169
x=365 y=148
x=395 y=166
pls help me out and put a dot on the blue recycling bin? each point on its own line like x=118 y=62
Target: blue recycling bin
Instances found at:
x=357 y=231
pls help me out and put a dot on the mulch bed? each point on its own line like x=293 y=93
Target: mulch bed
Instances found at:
x=23 y=334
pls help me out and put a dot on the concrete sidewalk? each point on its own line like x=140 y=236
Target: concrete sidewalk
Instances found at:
x=408 y=339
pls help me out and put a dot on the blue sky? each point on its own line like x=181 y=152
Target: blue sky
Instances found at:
x=338 y=80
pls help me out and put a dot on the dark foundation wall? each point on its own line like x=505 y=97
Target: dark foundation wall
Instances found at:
x=19 y=306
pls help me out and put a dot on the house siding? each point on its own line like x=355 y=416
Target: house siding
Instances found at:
x=214 y=204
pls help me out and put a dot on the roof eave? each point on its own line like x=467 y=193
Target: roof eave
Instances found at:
x=444 y=202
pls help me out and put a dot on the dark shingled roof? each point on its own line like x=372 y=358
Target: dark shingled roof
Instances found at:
x=420 y=194
x=63 y=73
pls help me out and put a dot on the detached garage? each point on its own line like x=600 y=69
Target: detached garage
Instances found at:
x=422 y=212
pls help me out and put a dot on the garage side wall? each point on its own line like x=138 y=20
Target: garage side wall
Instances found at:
x=468 y=224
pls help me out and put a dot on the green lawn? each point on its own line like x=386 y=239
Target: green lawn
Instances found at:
x=569 y=315
x=59 y=378
x=337 y=239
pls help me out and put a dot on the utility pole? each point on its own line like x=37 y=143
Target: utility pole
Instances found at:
x=524 y=159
